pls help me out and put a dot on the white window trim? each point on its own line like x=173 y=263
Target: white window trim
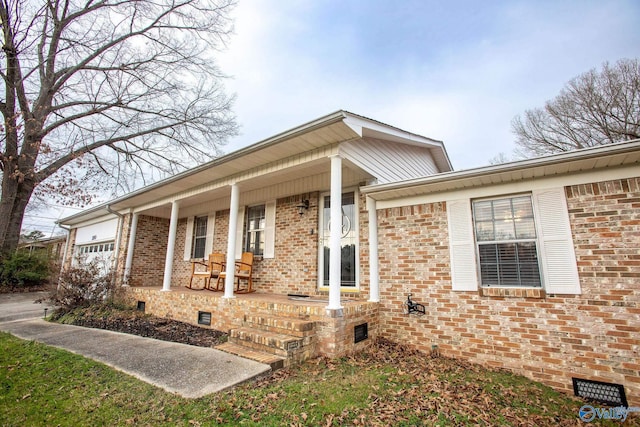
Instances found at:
x=269 y=231
x=558 y=267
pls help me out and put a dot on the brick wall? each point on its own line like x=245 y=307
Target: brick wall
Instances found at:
x=335 y=334
x=149 y=251
x=293 y=270
x=549 y=339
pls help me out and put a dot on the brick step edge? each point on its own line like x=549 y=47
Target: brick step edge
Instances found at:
x=284 y=325
x=274 y=340
x=272 y=360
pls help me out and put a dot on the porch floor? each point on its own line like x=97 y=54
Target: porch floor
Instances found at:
x=180 y=303
x=313 y=300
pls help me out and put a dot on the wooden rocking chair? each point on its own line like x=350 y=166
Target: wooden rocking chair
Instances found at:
x=213 y=268
x=243 y=271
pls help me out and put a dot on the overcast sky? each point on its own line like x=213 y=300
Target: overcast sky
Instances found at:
x=456 y=71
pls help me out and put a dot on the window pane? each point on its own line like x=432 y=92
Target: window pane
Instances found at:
x=484 y=231
x=522 y=207
x=198 y=247
x=505 y=230
x=528 y=261
x=502 y=210
x=200 y=227
x=507 y=253
x=509 y=264
x=256 y=242
x=483 y=211
x=489 y=264
x=255 y=225
x=489 y=274
x=525 y=228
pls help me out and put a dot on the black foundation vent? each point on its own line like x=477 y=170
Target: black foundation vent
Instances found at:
x=360 y=332
x=204 y=318
x=607 y=393
x=140 y=306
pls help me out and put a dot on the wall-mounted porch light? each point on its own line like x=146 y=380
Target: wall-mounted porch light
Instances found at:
x=303 y=206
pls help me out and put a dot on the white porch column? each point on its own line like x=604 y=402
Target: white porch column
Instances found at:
x=171 y=245
x=335 y=233
x=133 y=229
x=231 y=241
x=374 y=284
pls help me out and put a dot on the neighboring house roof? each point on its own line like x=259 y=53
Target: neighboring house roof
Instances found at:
x=356 y=138
x=601 y=158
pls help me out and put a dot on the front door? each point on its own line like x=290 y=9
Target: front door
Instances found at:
x=348 y=241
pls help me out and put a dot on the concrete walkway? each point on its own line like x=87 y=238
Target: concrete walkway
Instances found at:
x=178 y=368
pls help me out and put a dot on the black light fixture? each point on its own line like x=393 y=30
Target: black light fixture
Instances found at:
x=303 y=206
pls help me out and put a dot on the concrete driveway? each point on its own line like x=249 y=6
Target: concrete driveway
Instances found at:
x=189 y=371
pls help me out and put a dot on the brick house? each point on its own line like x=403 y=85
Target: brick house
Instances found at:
x=531 y=265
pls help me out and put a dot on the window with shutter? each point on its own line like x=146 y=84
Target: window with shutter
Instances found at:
x=513 y=241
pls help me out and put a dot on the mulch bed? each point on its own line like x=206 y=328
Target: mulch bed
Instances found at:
x=136 y=323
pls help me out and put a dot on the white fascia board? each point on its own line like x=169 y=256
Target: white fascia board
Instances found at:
x=523 y=186
x=366 y=127
x=464 y=177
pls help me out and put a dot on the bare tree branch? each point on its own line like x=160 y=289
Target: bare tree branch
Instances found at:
x=111 y=87
x=595 y=108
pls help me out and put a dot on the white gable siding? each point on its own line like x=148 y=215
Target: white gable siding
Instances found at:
x=389 y=161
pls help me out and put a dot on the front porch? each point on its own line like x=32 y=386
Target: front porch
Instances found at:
x=271 y=328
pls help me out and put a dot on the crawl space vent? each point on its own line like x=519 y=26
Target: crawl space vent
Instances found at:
x=140 y=306
x=361 y=332
x=204 y=318
x=607 y=393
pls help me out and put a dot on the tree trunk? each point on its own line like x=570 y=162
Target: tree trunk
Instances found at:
x=15 y=196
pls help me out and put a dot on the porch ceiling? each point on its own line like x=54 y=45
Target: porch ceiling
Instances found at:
x=304 y=178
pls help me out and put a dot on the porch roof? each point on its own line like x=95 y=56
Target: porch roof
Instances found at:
x=302 y=150
x=590 y=160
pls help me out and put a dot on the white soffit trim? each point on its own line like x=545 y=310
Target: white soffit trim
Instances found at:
x=368 y=128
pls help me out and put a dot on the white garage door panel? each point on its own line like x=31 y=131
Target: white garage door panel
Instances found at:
x=99 y=232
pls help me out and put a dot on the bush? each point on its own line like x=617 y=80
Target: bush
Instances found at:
x=22 y=270
x=83 y=286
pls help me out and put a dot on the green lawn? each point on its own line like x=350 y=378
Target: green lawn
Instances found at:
x=44 y=386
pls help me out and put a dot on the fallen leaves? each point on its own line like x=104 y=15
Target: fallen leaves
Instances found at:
x=403 y=386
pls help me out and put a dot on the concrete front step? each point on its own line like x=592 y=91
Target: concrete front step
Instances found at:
x=281 y=325
x=276 y=362
x=266 y=341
